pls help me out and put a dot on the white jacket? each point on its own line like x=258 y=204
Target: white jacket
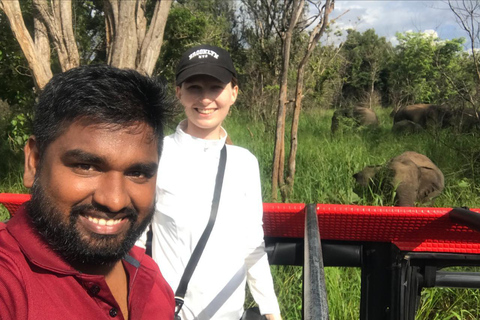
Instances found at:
x=235 y=251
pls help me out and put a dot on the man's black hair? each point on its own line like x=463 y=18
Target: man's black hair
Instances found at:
x=100 y=94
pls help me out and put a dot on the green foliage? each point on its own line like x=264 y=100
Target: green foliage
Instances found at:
x=366 y=56
x=19 y=130
x=16 y=84
x=423 y=68
x=191 y=23
x=89 y=28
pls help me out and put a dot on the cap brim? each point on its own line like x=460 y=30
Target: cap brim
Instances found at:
x=217 y=72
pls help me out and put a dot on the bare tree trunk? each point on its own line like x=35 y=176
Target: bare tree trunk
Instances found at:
x=39 y=64
x=150 y=46
x=58 y=20
x=314 y=38
x=373 y=74
x=110 y=8
x=279 y=152
x=125 y=40
x=129 y=43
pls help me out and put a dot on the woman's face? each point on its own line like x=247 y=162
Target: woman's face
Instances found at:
x=206 y=101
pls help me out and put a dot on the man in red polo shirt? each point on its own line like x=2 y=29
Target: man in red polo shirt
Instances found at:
x=91 y=165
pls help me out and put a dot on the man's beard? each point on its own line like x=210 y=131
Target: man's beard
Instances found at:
x=65 y=238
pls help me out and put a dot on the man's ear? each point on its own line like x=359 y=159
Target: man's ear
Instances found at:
x=32 y=160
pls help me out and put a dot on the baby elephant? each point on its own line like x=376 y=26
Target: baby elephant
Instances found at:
x=359 y=116
x=413 y=176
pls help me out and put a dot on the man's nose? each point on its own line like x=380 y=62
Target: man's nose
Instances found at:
x=111 y=192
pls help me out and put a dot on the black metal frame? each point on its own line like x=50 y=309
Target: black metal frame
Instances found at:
x=315 y=305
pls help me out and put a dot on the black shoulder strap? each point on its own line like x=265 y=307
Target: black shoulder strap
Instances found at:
x=197 y=252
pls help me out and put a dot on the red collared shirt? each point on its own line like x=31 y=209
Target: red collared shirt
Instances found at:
x=35 y=283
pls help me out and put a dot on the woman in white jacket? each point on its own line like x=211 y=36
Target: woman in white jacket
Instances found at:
x=235 y=251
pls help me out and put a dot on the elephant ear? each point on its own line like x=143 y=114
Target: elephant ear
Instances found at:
x=431 y=184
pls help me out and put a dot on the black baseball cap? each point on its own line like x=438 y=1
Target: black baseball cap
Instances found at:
x=205 y=60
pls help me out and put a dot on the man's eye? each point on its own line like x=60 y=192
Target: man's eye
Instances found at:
x=139 y=175
x=83 y=167
x=136 y=174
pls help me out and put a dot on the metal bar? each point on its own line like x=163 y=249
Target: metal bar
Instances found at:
x=315 y=306
x=457 y=279
x=381 y=282
x=290 y=252
x=467 y=217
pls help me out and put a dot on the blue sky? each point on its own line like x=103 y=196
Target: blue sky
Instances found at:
x=389 y=17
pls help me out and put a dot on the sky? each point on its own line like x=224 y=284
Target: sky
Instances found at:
x=390 y=16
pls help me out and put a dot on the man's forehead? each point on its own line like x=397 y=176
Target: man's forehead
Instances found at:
x=88 y=124
x=107 y=134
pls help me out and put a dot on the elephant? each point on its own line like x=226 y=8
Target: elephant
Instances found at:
x=426 y=115
x=361 y=117
x=406 y=127
x=413 y=177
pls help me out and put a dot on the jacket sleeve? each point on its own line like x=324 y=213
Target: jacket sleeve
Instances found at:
x=259 y=277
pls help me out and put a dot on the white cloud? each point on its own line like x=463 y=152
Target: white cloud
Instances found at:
x=390 y=17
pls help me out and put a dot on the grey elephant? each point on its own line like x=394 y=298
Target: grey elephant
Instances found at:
x=426 y=115
x=359 y=116
x=406 y=127
x=413 y=177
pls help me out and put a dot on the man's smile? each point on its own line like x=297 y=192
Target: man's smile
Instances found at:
x=104 y=226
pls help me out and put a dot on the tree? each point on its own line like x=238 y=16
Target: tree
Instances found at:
x=290 y=21
x=131 y=40
x=467 y=14
x=261 y=58
x=418 y=69
x=15 y=81
x=315 y=36
x=366 y=55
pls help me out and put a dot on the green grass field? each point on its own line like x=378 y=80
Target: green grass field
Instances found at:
x=325 y=165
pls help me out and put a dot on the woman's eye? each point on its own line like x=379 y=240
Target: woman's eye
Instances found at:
x=194 y=88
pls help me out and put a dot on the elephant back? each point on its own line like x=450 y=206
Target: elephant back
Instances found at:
x=415 y=113
x=365 y=116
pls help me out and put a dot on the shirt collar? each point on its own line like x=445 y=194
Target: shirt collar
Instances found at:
x=38 y=252
x=189 y=141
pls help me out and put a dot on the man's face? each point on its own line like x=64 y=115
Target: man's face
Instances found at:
x=93 y=190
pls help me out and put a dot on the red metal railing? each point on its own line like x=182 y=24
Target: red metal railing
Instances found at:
x=410 y=229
